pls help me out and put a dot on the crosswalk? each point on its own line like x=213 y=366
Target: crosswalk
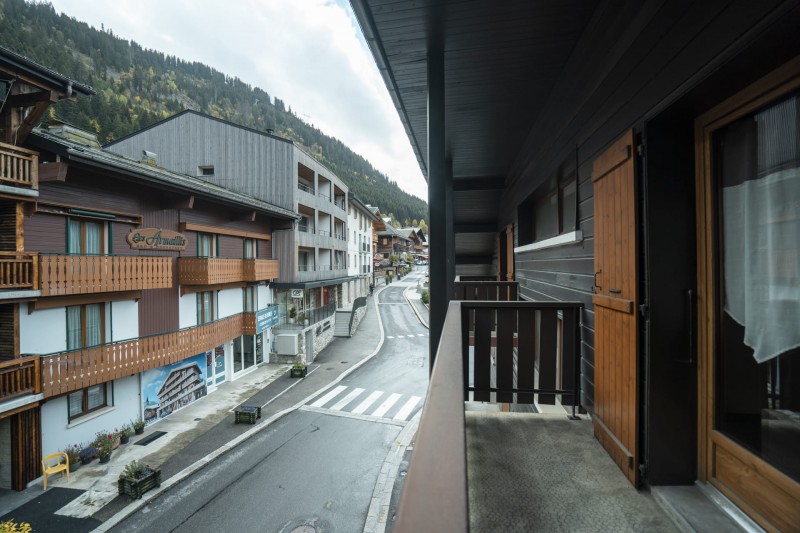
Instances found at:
x=407 y=336
x=358 y=402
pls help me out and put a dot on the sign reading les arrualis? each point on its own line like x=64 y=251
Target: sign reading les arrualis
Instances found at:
x=156 y=239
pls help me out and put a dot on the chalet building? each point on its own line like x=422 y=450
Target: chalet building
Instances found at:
x=119 y=273
x=394 y=241
x=628 y=174
x=359 y=247
x=418 y=242
x=312 y=253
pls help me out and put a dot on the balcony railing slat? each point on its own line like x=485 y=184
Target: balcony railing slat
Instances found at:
x=81 y=274
x=482 y=357
x=527 y=343
x=506 y=328
x=548 y=353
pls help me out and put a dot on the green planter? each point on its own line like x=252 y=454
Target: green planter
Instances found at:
x=298 y=372
x=136 y=487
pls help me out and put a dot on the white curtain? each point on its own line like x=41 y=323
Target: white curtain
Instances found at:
x=761 y=223
x=94 y=323
x=73 y=328
x=94 y=241
x=74 y=240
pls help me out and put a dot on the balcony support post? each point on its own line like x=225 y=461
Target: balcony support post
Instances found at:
x=437 y=170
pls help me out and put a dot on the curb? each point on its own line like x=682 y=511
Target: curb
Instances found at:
x=191 y=469
x=414 y=308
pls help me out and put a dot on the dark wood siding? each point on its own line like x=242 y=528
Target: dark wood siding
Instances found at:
x=8 y=226
x=158 y=308
x=230 y=246
x=26 y=447
x=91 y=191
x=8 y=332
x=264 y=249
x=45 y=233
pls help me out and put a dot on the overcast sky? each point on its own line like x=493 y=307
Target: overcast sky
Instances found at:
x=309 y=53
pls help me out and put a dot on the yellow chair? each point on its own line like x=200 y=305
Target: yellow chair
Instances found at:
x=53 y=464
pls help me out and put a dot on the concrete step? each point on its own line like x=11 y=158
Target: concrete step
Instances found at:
x=342 y=324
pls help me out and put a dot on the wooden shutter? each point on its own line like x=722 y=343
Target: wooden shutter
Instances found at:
x=615 y=258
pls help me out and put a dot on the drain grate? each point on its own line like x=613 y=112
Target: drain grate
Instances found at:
x=150 y=438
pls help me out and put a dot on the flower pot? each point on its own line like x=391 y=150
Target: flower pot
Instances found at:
x=124 y=439
x=74 y=466
x=298 y=372
x=136 y=487
x=105 y=459
x=138 y=431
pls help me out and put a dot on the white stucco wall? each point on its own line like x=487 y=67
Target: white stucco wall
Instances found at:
x=264 y=296
x=230 y=302
x=124 y=320
x=187 y=309
x=43 y=331
x=58 y=433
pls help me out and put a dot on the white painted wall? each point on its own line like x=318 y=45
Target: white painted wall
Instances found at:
x=264 y=296
x=230 y=302
x=58 y=433
x=43 y=331
x=187 y=310
x=124 y=320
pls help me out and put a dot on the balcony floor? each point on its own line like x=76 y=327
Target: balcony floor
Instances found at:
x=538 y=472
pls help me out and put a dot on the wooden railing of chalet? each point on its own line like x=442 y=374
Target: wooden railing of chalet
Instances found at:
x=215 y=270
x=260 y=269
x=19 y=270
x=85 y=274
x=248 y=323
x=523 y=337
x=20 y=376
x=19 y=166
x=498 y=291
x=73 y=370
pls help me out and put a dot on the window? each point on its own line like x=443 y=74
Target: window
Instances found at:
x=85 y=237
x=205 y=307
x=551 y=213
x=205 y=170
x=249 y=297
x=87 y=400
x=250 y=248
x=206 y=245
x=85 y=326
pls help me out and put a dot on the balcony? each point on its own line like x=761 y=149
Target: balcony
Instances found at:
x=19 y=271
x=73 y=370
x=19 y=377
x=84 y=274
x=217 y=270
x=19 y=167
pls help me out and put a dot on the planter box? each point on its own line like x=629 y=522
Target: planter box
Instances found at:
x=247 y=414
x=136 y=487
x=298 y=372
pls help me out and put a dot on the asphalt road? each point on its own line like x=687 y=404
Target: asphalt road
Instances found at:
x=316 y=467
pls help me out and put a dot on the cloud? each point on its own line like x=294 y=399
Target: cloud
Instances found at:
x=309 y=53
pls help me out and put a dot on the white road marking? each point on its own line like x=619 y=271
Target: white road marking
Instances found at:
x=409 y=406
x=347 y=399
x=385 y=406
x=363 y=406
x=389 y=337
x=328 y=397
x=420 y=334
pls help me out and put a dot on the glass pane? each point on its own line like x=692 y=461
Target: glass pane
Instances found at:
x=249 y=351
x=259 y=349
x=237 y=354
x=75 y=401
x=96 y=396
x=74 y=328
x=94 y=324
x=546 y=218
x=249 y=249
x=94 y=241
x=73 y=236
x=568 y=206
x=758 y=359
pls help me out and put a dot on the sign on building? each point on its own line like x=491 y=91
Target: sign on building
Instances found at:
x=156 y=239
x=266 y=318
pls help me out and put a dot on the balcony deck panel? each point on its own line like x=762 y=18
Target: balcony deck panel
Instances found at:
x=549 y=474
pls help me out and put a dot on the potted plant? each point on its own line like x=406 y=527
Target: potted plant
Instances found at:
x=299 y=369
x=137 y=478
x=105 y=445
x=125 y=434
x=138 y=426
x=74 y=456
x=88 y=454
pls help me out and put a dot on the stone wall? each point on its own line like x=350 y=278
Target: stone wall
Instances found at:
x=360 y=312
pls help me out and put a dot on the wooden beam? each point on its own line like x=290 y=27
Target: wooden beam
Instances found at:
x=53 y=172
x=248 y=217
x=82 y=299
x=473 y=259
x=31 y=120
x=191 y=289
x=185 y=203
x=31 y=99
x=20 y=220
x=489 y=227
x=188 y=226
x=478 y=184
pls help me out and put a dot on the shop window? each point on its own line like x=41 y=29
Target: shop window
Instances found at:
x=87 y=400
x=244 y=353
x=85 y=326
x=249 y=299
x=205 y=307
x=86 y=237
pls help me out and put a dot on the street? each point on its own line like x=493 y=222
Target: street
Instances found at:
x=316 y=468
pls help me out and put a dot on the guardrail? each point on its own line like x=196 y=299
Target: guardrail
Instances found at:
x=19 y=270
x=19 y=166
x=20 y=376
x=84 y=274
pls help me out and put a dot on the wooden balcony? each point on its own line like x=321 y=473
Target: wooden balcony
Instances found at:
x=73 y=370
x=19 y=167
x=499 y=291
x=19 y=271
x=20 y=376
x=217 y=270
x=85 y=274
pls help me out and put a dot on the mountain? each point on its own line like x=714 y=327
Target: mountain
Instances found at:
x=137 y=87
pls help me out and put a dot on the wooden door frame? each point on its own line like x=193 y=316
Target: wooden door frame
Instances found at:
x=767 y=89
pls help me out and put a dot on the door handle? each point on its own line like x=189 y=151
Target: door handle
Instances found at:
x=597 y=285
x=615 y=291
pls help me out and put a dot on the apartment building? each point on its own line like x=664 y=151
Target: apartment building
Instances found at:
x=312 y=252
x=359 y=249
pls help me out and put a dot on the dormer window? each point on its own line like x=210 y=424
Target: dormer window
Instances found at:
x=205 y=170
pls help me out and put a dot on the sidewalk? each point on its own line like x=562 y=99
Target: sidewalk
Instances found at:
x=190 y=436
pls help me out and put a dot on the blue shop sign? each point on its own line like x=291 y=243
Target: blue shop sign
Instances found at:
x=266 y=318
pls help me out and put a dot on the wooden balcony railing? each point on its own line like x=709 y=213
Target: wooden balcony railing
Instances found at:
x=215 y=270
x=260 y=269
x=19 y=166
x=489 y=351
x=84 y=274
x=19 y=270
x=498 y=291
x=73 y=370
x=20 y=376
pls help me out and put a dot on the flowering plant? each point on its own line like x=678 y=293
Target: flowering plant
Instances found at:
x=104 y=444
x=73 y=452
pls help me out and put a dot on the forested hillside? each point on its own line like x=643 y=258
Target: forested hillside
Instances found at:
x=137 y=87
